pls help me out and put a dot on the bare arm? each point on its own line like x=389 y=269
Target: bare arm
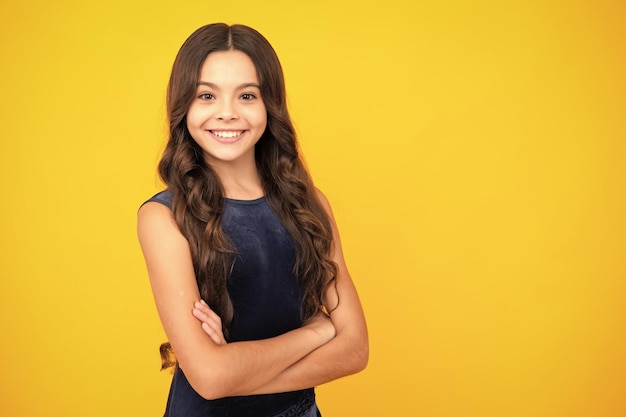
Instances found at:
x=214 y=370
x=346 y=354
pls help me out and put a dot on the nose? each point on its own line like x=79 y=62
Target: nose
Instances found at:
x=227 y=111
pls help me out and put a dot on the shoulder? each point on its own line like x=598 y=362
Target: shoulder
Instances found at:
x=323 y=201
x=158 y=207
x=163 y=197
x=155 y=218
x=322 y=198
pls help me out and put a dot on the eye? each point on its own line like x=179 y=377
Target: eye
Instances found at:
x=248 y=96
x=206 y=96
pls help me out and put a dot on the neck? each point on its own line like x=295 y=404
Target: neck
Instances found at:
x=240 y=181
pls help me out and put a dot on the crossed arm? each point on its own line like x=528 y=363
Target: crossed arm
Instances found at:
x=322 y=350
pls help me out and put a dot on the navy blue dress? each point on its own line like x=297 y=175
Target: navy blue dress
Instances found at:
x=267 y=302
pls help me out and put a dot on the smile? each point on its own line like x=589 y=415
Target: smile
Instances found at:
x=227 y=134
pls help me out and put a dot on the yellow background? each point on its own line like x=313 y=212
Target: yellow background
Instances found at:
x=474 y=153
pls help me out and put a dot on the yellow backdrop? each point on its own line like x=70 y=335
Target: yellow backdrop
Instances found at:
x=474 y=153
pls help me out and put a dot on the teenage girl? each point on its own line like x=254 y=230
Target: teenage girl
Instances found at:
x=242 y=250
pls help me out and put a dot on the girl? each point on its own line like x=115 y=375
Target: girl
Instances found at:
x=242 y=251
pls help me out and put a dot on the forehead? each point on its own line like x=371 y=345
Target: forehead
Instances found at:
x=228 y=67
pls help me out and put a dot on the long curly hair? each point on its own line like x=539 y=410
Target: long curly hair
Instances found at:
x=198 y=197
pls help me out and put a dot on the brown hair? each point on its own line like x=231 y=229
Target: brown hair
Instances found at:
x=198 y=198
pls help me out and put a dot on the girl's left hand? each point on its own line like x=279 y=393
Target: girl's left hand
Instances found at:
x=211 y=322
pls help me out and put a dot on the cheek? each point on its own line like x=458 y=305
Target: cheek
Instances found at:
x=194 y=122
x=192 y=118
x=260 y=118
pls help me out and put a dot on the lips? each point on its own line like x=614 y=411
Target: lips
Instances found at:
x=227 y=136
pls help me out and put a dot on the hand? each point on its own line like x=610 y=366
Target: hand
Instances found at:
x=322 y=324
x=211 y=323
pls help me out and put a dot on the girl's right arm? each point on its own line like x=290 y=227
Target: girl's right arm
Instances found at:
x=213 y=370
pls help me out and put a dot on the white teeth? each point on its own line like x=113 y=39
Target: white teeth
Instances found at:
x=226 y=133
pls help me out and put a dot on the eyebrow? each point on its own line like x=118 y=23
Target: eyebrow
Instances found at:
x=239 y=87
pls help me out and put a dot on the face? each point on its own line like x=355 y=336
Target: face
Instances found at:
x=227 y=116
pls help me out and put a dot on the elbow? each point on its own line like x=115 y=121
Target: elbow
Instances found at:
x=355 y=356
x=210 y=395
x=361 y=358
x=209 y=392
x=209 y=387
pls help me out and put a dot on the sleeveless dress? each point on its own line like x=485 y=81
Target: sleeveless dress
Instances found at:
x=267 y=300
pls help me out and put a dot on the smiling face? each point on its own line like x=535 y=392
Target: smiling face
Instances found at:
x=227 y=116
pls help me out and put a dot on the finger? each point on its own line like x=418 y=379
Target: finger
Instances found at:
x=216 y=336
x=211 y=327
x=203 y=307
x=206 y=310
x=212 y=320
